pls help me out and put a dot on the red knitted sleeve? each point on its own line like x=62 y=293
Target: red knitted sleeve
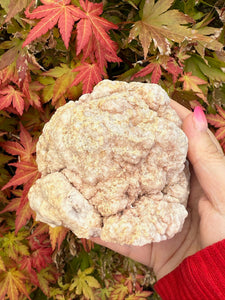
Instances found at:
x=200 y=276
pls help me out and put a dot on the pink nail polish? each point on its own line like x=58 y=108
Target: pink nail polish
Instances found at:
x=200 y=119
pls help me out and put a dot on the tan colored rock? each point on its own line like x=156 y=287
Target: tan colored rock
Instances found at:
x=113 y=165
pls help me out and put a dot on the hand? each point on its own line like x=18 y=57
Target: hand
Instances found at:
x=205 y=223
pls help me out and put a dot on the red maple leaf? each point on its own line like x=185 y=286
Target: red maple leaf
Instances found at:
x=153 y=68
x=89 y=75
x=41 y=252
x=24 y=211
x=218 y=121
x=26 y=173
x=94 y=28
x=9 y=95
x=173 y=68
x=39 y=258
x=51 y=13
x=21 y=205
x=25 y=148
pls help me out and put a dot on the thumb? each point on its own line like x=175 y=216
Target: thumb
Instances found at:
x=206 y=157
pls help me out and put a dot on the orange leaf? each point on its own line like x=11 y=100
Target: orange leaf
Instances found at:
x=92 y=35
x=57 y=235
x=51 y=13
x=12 y=206
x=26 y=172
x=220 y=133
x=10 y=95
x=24 y=149
x=84 y=32
x=221 y=111
x=218 y=121
x=89 y=75
x=191 y=83
x=11 y=283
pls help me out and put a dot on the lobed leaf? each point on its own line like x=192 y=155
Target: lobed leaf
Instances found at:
x=11 y=283
x=89 y=75
x=9 y=95
x=57 y=235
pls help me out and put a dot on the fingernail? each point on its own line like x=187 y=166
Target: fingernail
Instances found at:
x=199 y=118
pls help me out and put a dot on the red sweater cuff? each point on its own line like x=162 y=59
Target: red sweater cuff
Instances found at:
x=200 y=276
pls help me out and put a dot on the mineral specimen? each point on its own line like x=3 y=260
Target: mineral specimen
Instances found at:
x=113 y=165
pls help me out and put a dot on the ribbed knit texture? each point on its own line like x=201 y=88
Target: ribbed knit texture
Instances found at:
x=199 y=277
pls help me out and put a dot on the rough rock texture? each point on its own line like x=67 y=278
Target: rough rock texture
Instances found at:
x=113 y=165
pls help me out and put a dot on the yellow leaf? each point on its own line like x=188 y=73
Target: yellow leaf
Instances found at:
x=88 y=270
x=92 y=282
x=57 y=235
x=84 y=284
x=11 y=283
x=2 y=265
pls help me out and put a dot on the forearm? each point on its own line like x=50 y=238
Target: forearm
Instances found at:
x=200 y=276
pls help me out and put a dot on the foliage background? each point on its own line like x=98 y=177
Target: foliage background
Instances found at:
x=55 y=50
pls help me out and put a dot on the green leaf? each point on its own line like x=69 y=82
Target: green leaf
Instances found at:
x=58 y=71
x=5 y=4
x=200 y=68
x=14 y=245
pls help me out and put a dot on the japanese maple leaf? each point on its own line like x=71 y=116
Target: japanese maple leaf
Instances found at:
x=95 y=51
x=25 y=148
x=95 y=25
x=46 y=277
x=2 y=265
x=57 y=235
x=12 y=284
x=139 y=295
x=120 y=291
x=84 y=282
x=24 y=211
x=65 y=76
x=9 y=95
x=191 y=82
x=20 y=204
x=173 y=68
x=218 y=121
x=51 y=13
x=26 y=172
x=32 y=263
x=89 y=75
x=41 y=251
x=13 y=245
x=160 y=25
x=153 y=68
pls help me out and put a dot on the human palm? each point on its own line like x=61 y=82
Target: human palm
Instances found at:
x=205 y=223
